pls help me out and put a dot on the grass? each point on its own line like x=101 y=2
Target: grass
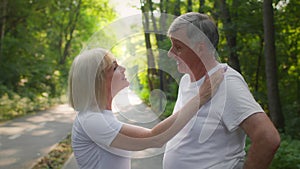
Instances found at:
x=57 y=157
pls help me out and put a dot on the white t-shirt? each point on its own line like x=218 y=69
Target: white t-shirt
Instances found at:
x=212 y=139
x=92 y=135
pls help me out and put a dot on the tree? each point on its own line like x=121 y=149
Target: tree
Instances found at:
x=189 y=6
x=230 y=32
x=38 y=39
x=3 y=7
x=150 y=57
x=70 y=28
x=271 y=67
x=177 y=11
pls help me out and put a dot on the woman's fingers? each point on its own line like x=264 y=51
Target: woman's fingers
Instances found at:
x=211 y=84
x=217 y=78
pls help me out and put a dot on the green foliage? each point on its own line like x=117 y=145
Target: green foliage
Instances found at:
x=292 y=116
x=288 y=154
x=288 y=58
x=39 y=39
x=14 y=105
x=171 y=93
x=144 y=89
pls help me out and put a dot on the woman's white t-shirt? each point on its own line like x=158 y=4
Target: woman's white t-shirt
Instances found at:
x=92 y=135
x=212 y=139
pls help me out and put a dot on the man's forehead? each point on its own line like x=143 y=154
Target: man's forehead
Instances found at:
x=179 y=36
x=179 y=33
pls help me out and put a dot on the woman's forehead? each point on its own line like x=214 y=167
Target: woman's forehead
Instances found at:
x=110 y=58
x=112 y=61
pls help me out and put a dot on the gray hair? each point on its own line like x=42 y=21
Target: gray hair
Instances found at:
x=198 y=27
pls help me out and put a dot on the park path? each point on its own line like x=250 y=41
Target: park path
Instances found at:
x=23 y=141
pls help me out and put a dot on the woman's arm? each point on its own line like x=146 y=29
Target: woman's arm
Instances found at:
x=136 y=138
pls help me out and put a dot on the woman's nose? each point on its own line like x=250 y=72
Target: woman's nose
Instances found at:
x=122 y=69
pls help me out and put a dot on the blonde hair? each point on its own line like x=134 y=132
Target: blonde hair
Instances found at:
x=86 y=83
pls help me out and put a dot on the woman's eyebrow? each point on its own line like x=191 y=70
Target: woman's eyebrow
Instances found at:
x=115 y=63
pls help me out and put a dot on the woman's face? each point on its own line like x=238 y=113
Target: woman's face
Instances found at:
x=116 y=80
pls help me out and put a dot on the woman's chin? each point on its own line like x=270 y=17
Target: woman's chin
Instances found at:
x=122 y=87
x=126 y=83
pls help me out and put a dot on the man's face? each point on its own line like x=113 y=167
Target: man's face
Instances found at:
x=182 y=51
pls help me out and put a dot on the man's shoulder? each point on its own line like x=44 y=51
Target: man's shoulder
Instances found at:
x=233 y=76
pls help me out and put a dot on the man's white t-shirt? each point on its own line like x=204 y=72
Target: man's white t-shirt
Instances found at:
x=212 y=139
x=92 y=135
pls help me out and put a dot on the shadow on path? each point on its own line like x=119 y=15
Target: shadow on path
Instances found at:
x=25 y=140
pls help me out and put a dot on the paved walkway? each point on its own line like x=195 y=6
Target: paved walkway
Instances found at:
x=23 y=141
x=131 y=110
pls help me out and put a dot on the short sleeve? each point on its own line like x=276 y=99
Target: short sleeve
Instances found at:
x=101 y=127
x=240 y=103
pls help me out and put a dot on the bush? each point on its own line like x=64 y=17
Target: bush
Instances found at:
x=288 y=154
x=13 y=105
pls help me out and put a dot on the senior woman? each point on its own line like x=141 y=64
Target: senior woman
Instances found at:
x=99 y=140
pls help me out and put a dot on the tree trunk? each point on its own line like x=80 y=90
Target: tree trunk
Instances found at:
x=201 y=6
x=271 y=68
x=189 y=6
x=177 y=8
x=163 y=18
x=3 y=25
x=230 y=34
x=258 y=64
x=69 y=32
x=150 y=57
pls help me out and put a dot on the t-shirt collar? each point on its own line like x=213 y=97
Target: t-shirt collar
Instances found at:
x=210 y=72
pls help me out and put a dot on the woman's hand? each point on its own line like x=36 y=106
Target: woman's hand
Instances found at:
x=210 y=85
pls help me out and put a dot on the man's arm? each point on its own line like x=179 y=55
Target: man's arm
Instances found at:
x=265 y=141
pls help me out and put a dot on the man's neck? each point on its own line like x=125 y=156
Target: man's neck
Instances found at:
x=201 y=70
